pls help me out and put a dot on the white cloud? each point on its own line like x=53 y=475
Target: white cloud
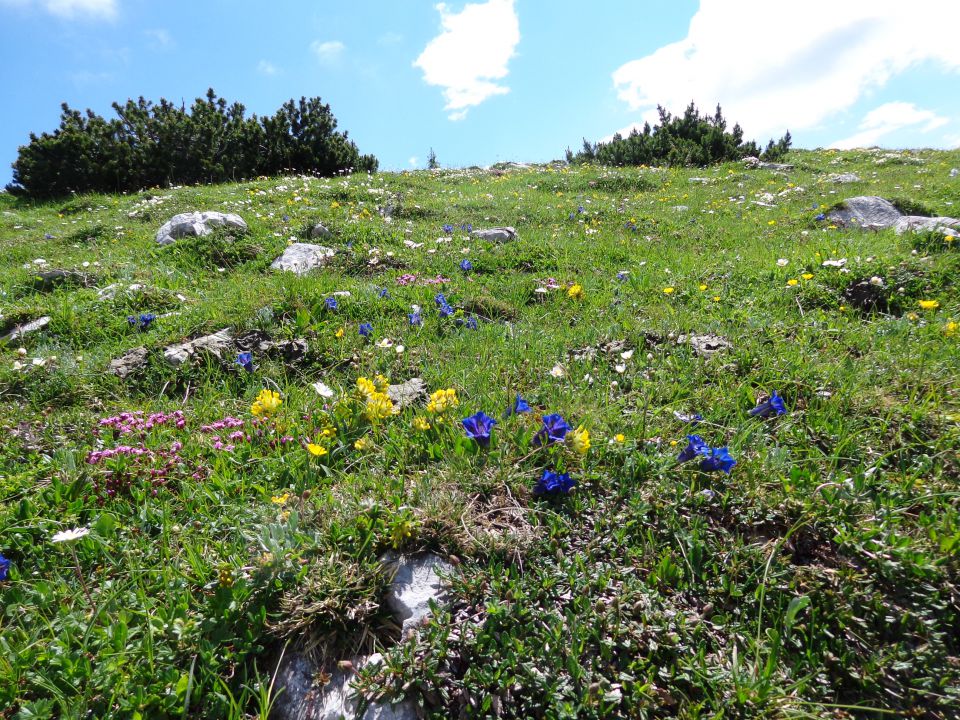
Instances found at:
x=889 y=118
x=159 y=38
x=471 y=53
x=790 y=64
x=265 y=67
x=69 y=9
x=414 y=160
x=328 y=51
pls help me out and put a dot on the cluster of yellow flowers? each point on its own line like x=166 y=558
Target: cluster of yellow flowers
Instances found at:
x=266 y=403
x=379 y=406
x=319 y=448
x=441 y=401
x=579 y=440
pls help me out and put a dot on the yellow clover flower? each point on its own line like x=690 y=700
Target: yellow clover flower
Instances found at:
x=266 y=403
x=421 y=423
x=442 y=400
x=575 y=291
x=579 y=440
x=379 y=407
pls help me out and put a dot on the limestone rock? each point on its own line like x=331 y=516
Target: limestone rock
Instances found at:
x=415 y=583
x=197 y=224
x=865 y=211
x=753 y=162
x=215 y=344
x=301 y=258
x=498 y=234
x=52 y=279
x=25 y=329
x=917 y=223
x=303 y=698
x=130 y=362
x=843 y=178
x=706 y=345
x=407 y=393
x=320 y=231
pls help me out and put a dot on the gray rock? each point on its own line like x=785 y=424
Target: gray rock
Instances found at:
x=407 y=393
x=215 y=344
x=498 y=234
x=681 y=208
x=706 y=345
x=301 y=258
x=197 y=224
x=843 y=178
x=753 y=162
x=917 y=223
x=304 y=698
x=130 y=362
x=21 y=331
x=865 y=211
x=320 y=231
x=954 y=172
x=415 y=583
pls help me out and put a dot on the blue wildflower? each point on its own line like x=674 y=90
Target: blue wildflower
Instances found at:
x=466 y=265
x=580 y=209
x=415 y=318
x=773 y=406
x=366 y=329
x=4 y=568
x=696 y=447
x=446 y=310
x=472 y=323
x=383 y=293
x=553 y=483
x=286 y=218
x=331 y=303
x=479 y=427
x=718 y=459
x=519 y=406
x=467 y=226
x=820 y=217
x=622 y=275
x=245 y=360
x=447 y=229
x=143 y=321
x=48 y=236
x=554 y=429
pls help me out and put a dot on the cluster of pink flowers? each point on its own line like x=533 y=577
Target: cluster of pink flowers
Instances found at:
x=147 y=467
x=410 y=279
x=128 y=422
x=224 y=424
x=95 y=457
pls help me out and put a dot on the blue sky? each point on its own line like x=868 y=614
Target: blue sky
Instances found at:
x=498 y=80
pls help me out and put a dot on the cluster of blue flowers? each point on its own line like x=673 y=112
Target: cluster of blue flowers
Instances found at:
x=554 y=483
x=448 y=228
x=331 y=303
x=366 y=329
x=441 y=300
x=143 y=321
x=4 y=568
x=466 y=265
x=245 y=360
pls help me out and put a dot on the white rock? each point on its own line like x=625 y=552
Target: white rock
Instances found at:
x=301 y=258
x=415 y=583
x=25 y=329
x=868 y=212
x=197 y=224
x=215 y=344
x=916 y=223
x=498 y=234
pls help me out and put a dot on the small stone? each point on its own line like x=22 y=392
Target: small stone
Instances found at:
x=843 y=178
x=415 y=583
x=215 y=344
x=25 y=329
x=320 y=231
x=498 y=234
x=129 y=363
x=706 y=345
x=301 y=258
x=197 y=224
x=407 y=393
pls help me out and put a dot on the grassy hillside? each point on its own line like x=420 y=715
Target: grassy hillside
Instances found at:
x=819 y=578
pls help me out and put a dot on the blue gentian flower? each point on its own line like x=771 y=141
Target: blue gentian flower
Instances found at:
x=466 y=265
x=383 y=293
x=718 y=459
x=554 y=429
x=820 y=217
x=415 y=318
x=446 y=310
x=773 y=406
x=331 y=303
x=366 y=329
x=554 y=484
x=447 y=229
x=4 y=568
x=440 y=299
x=696 y=447
x=472 y=323
x=580 y=209
x=286 y=218
x=467 y=226
x=519 y=406
x=143 y=321
x=245 y=360
x=622 y=275
x=479 y=427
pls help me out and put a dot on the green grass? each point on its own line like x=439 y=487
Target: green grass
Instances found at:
x=819 y=579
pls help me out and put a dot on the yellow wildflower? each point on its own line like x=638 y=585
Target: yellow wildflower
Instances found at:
x=771 y=222
x=442 y=400
x=912 y=316
x=579 y=440
x=280 y=499
x=791 y=282
x=421 y=423
x=620 y=437
x=575 y=291
x=366 y=387
x=316 y=450
x=929 y=304
x=382 y=383
x=950 y=328
x=379 y=407
x=807 y=276
x=716 y=298
x=334 y=205
x=668 y=291
x=266 y=403
x=703 y=286
x=364 y=443
x=338 y=333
